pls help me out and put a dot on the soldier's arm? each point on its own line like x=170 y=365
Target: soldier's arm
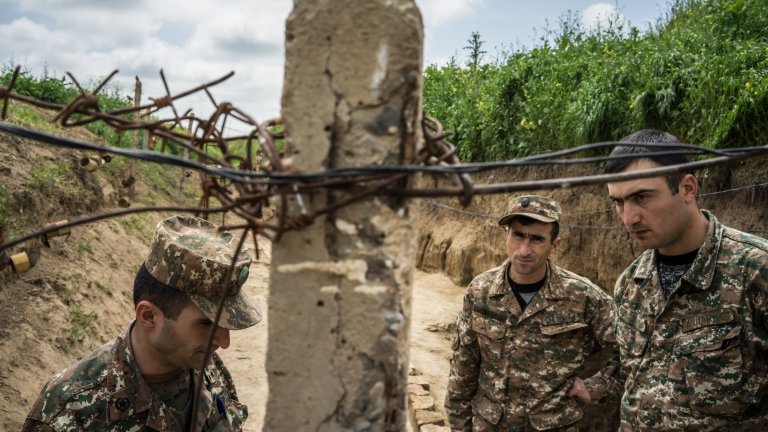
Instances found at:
x=236 y=412
x=465 y=368
x=607 y=381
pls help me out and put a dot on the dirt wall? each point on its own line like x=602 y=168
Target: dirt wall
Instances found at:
x=464 y=241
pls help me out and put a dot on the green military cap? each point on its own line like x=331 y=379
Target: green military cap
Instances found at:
x=541 y=208
x=191 y=255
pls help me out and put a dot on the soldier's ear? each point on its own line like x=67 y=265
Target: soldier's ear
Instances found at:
x=690 y=187
x=147 y=314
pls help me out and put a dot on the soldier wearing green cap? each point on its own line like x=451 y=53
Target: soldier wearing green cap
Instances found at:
x=524 y=331
x=145 y=379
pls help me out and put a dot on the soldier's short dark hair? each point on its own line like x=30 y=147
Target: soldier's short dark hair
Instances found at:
x=169 y=300
x=650 y=136
x=525 y=221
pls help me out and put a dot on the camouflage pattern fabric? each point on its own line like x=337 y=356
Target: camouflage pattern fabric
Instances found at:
x=536 y=207
x=697 y=361
x=105 y=392
x=511 y=369
x=191 y=255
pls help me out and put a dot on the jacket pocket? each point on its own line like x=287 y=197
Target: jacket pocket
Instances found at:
x=712 y=364
x=552 y=330
x=487 y=409
x=490 y=336
x=564 y=342
x=631 y=333
x=558 y=417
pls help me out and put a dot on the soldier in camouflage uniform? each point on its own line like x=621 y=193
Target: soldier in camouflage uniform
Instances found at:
x=524 y=331
x=145 y=378
x=692 y=310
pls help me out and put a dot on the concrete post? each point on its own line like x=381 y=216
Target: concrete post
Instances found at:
x=340 y=291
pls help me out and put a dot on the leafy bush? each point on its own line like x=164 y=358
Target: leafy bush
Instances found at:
x=58 y=90
x=700 y=73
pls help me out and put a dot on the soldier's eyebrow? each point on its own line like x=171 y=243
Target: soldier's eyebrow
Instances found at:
x=630 y=195
x=525 y=234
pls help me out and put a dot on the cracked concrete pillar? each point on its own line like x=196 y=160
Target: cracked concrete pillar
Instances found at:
x=340 y=291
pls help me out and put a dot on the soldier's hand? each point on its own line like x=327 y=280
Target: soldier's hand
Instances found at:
x=579 y=391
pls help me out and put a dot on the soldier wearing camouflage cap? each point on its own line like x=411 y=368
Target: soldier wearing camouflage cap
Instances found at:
x=525 y=329
x=692 y=310
x=145 y=379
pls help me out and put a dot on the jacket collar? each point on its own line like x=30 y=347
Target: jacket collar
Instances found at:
x=702 y=271
x=132 y=395
x=553 y=289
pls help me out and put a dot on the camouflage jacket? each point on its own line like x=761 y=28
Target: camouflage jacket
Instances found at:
x=698 y=360
x=105 y=392
x=513 y=368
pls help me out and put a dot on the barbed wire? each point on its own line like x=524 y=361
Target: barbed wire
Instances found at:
x=243 y=182
x=435 y=203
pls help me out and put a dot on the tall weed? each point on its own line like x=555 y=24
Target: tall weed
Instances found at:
x=701 y=72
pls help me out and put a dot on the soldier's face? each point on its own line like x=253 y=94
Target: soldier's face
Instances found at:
x=528 y=247
x=650 y=211
x=182 y=342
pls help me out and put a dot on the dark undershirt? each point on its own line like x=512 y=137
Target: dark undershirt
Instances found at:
x=672 y=268
x=524 y=293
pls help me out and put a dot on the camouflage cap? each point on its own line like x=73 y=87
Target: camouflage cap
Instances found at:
x=190 y=254
x=541 y=208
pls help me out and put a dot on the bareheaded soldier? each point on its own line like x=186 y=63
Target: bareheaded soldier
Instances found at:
x=524 y=331
x=692 y=310
x=145 y=379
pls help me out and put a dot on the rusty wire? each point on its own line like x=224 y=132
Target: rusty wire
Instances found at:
x=244 y=184
x=224 y=178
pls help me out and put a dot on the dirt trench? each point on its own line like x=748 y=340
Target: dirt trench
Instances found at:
x=78 y=296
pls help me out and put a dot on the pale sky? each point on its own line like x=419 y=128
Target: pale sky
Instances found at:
x=195 y=41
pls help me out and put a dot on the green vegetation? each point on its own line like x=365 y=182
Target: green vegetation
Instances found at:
x=700 y=73
x=59 y=90
x=85 y=245
x=79 y=324
x=53 y=180
x=115 y=264
x=6 y=215
x=26 y=116
x=138 y=225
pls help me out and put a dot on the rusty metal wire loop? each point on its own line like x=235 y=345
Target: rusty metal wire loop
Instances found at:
x=245 y=182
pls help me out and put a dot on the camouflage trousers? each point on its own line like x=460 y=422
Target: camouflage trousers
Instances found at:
x=479 y=424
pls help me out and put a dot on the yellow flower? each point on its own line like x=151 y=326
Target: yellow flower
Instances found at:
x=557 y=84
x=748 y=85
x=631 y=105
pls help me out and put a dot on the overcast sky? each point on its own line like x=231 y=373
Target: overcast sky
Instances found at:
x=195 y=41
